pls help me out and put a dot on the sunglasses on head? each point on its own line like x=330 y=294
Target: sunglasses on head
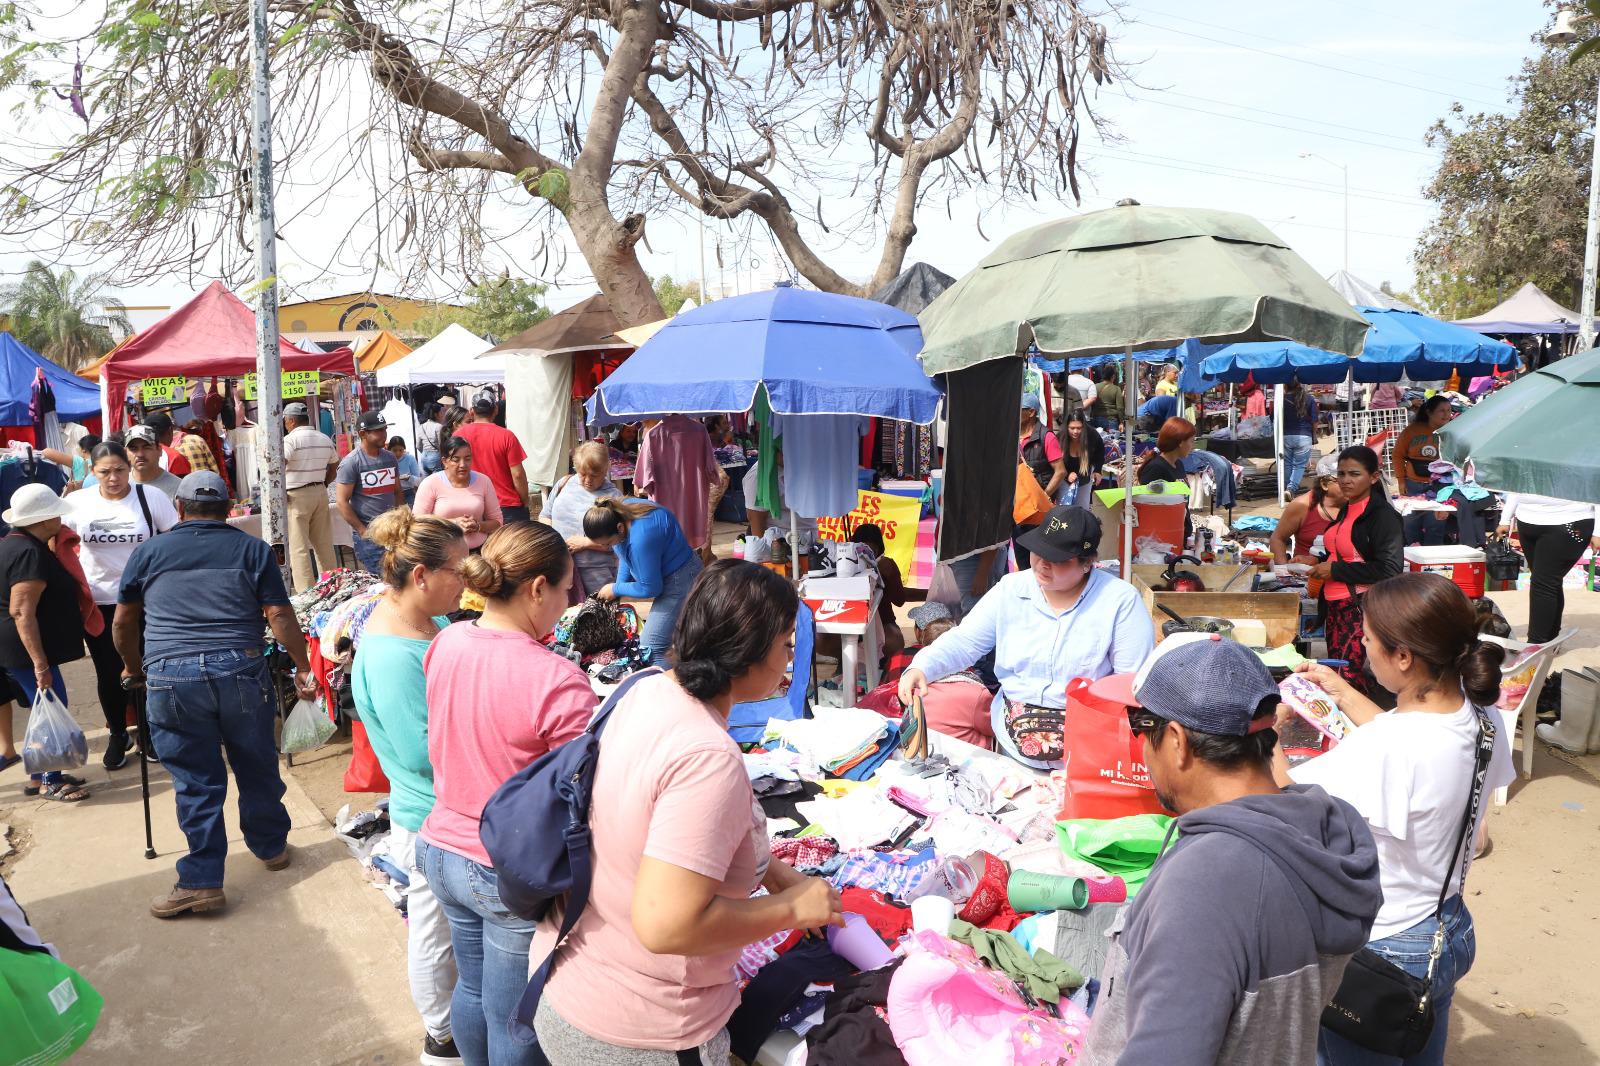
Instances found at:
x=1142 y=721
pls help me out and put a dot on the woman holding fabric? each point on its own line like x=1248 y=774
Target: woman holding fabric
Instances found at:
x=589 y=482
x=458 y=494
x=41 y=622
x=1410 y=774
x=1308 y=517
x=1056 y=621
x=497 y=699
x=654 y=562
x=646 y=977
x=1083 y=454
x=1365 y=545
x=422 y=557
x=112 y=517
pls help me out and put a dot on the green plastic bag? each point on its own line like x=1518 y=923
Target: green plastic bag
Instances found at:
x=47 y=1009
x=1124 y=847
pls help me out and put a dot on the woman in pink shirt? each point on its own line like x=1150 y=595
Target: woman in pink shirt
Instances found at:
x=679 y=846
x=459 y=495
x=497 y=700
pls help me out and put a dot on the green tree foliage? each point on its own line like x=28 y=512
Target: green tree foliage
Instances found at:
x=1512 y=192
x=673 y=294
x=498 y=309
x=64 y=317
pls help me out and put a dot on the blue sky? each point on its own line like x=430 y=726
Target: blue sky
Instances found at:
x=1227 y=98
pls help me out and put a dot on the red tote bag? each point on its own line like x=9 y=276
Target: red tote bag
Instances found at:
x=1104 y=762
x=363 y=774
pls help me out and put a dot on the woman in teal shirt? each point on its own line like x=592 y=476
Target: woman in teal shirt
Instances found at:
x=421 y=568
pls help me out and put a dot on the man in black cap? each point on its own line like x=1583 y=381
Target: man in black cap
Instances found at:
x=171 y=458
x=201 y=589
x=1240 y=936
x=368 y=484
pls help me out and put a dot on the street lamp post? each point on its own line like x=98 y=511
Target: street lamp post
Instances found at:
x=1345 y=170
x=1565 y=32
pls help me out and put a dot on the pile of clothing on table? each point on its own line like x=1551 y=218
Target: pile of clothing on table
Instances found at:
x=332 y=614
x=1012 y=978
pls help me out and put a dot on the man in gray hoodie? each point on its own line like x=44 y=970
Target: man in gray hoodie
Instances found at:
x=1241 y=934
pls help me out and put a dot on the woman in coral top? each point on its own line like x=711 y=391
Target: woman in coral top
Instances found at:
x=497 y=700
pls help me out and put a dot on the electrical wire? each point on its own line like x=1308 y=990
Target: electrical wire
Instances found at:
x=1281 y=126
x=1245 y=176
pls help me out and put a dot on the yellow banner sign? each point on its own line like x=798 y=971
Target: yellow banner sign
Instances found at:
x=896 y=516
x=297 y=384
x=158 y=392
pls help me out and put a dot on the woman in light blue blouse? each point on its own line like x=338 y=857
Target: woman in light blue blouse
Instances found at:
x=1058 y=620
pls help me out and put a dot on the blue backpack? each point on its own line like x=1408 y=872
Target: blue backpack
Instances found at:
x=536 y=830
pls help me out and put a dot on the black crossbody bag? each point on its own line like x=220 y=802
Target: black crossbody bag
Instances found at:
x=1378 y=1005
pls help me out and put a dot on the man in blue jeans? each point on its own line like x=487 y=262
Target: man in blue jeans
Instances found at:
x=202 y=588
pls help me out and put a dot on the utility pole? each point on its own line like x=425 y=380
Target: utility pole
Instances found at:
x=269 y=368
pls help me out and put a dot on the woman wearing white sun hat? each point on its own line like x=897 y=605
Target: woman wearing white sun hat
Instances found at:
x=41 y=622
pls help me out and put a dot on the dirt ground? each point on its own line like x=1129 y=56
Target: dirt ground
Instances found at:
x=308 y=965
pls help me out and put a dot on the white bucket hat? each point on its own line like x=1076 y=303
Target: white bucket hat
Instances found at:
x=32 y=504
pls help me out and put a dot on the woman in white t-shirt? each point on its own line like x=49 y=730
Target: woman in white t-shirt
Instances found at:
x=1409 y=773
x=112 y=517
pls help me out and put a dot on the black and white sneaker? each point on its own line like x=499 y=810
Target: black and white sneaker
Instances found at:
x=116 y=756
x=440 y=1052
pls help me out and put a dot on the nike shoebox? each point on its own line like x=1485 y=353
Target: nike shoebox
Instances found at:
x=838 y=588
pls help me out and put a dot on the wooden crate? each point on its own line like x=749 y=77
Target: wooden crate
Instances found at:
x=1280 y=611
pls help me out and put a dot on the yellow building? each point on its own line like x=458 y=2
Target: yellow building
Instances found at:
x=345 y=318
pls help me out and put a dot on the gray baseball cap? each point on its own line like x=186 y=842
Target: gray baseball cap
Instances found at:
x=1201 y=680
x=296 y=410
x=203 y=486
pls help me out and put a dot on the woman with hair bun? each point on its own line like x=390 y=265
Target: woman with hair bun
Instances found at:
x=1409 y=773
x=647 y=975
x=421 y=569
x=654 y=562
x=497 y=700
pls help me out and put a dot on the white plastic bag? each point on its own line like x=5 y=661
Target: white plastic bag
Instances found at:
x=53 y=740
x=1152 y=552
x=306 y=729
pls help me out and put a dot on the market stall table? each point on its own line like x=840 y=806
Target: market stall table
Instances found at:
x=852 y=621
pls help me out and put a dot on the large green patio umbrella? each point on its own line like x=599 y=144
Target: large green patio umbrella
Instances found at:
x=1540 y=434
x=1132 y=278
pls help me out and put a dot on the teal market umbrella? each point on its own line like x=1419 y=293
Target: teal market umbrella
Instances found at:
x=1132 y=278
x=1540 y=434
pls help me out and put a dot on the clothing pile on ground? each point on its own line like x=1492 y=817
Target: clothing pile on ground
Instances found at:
x=366 y=834
x=1001 y=984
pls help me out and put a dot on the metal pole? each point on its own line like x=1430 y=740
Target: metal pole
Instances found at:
x=1277 y=436
x=269 y=370
x=1130 y=398
x=1591 y=245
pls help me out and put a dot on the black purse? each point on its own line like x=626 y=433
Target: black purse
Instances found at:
x=1502 y=561
x=1378 y=1005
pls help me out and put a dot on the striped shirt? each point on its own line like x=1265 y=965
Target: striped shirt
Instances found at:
x=306 y=455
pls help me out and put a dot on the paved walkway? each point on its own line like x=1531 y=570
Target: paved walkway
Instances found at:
x=303 y=966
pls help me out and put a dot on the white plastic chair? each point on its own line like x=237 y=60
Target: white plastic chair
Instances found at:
x=1540 y=662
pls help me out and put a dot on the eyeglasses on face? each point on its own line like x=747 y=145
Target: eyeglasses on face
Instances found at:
x=1141 y=721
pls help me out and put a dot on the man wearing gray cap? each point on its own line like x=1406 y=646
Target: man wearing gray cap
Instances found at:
x=202 y=588
x=1240 y=936
x=310 y=461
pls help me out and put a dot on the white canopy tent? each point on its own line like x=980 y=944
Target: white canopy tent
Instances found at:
x=1359 y=293
x=449 y=358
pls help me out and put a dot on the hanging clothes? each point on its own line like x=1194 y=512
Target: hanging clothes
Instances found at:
x=821 y=456
x=769 y=496
x=980 y=457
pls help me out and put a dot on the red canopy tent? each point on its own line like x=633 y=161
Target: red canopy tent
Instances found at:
x=213 y=335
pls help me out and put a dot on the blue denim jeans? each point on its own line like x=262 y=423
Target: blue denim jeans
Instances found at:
x=1296 y=454
x=663 y=619
x=1409 y=951
x=369 y=556
x=199 y=707
x=25 y=683
x=491 y=949
x=1425 y=527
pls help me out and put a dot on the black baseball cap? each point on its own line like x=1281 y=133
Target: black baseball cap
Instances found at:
x=1066 y=533
x=371 y=420
x=159 y=421
x=483 y=404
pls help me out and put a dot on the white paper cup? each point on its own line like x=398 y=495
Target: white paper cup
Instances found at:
x=932 y=914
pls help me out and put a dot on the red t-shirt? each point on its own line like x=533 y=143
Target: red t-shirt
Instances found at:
x=494 y=452
x=177 y=464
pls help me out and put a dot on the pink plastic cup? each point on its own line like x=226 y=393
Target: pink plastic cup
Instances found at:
x=859 y=944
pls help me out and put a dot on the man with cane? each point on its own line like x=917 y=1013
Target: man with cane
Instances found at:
x=202 y=589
